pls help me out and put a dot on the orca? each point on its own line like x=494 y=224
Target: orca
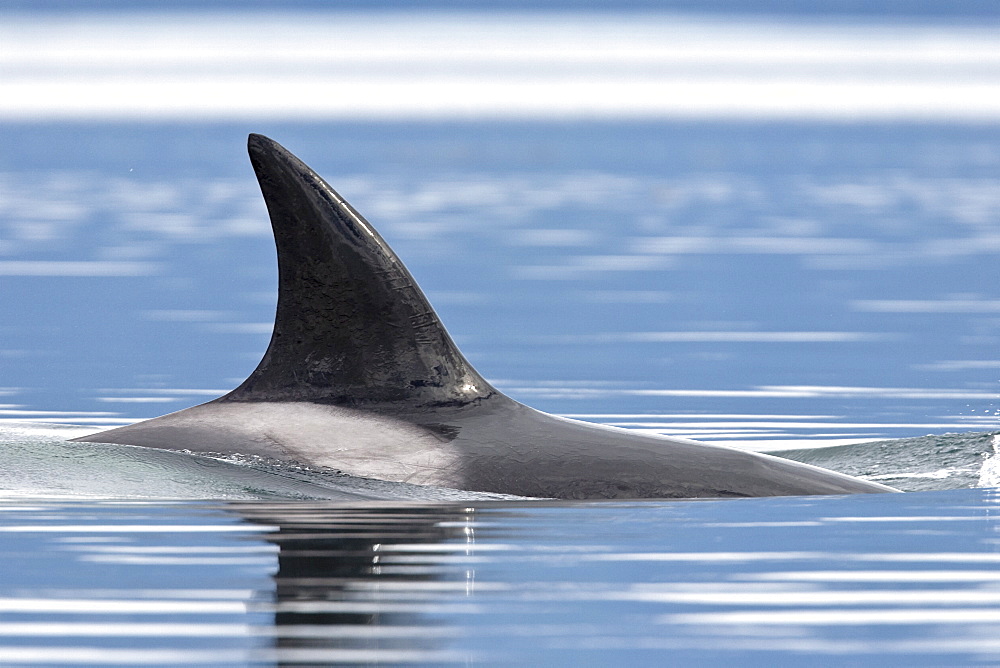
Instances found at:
x=360 y=376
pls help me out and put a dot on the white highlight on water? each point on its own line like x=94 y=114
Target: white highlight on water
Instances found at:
x=440 y=65
x=75 y=268
x=989 y=474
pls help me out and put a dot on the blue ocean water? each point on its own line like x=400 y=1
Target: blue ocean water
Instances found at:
x=898 y=580
x=843 y=272
x=823 y=287
x=761 y=285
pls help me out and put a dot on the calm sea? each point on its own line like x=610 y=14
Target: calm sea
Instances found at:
x=775 y=234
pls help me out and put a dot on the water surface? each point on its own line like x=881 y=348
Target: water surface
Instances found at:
x=907 y=580
x=815 y=277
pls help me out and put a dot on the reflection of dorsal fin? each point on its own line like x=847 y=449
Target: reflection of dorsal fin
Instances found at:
x=352 y=327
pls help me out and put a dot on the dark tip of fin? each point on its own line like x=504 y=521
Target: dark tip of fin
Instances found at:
x=351 y=327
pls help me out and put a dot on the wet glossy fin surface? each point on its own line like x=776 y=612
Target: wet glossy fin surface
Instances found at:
x=351 y=327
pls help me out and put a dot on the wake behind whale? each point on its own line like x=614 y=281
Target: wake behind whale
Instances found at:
x=361 y=376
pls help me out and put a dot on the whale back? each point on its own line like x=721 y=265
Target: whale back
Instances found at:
x=361 y=377
x=351 y=326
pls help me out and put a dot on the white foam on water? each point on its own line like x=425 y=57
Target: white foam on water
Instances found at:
x=989 y=474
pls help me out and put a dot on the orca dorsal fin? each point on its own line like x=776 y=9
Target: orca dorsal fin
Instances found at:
x=351 y=327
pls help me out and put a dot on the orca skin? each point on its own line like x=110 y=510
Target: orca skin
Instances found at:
x=360 y=376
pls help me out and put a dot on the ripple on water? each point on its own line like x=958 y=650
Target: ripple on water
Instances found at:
x=771 y=581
